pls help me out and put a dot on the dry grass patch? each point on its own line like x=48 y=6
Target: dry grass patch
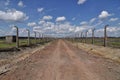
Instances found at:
x=106 y=52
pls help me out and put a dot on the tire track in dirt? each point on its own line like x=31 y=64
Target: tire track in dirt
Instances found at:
x=61 y=61
x=82 y=70
x=95 y=67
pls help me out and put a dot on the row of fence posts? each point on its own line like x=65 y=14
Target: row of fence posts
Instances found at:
x=17 y=37
x=93 y=37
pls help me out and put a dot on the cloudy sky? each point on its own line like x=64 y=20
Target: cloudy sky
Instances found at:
x=60 y=17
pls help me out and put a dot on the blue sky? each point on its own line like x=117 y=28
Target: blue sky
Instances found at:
x=59 y=17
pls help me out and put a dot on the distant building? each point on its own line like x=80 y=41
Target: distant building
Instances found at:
x=10 y=39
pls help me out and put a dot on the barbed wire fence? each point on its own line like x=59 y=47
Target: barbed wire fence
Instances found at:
x=90 y=36
x=18 y=37
x=106 y=39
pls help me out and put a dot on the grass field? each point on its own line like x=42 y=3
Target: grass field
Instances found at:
x=22 y=42
x=111 y=42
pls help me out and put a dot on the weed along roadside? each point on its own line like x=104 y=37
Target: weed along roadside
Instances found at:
x=8 y=45
x=89 y=37
x=56 y=59
x=106 y=46
x=9 y=59
x=106 y=52
x=59 y=40
x=13 y=42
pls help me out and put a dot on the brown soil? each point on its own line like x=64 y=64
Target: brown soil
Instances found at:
x=107 y=52
x=62 y=61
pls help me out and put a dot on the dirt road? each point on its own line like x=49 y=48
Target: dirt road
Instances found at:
x=62 y=61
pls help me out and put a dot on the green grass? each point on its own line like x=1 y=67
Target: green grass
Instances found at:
x=22 y=42
x=112 y=42
x=3 y=44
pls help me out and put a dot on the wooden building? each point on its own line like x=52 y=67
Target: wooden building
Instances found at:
x=10 y=39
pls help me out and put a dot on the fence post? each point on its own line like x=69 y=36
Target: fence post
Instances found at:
x=105 y=35
x=42 y=38
x=76 y=37
x=28 y=37
x=81 y=36
x=73 y=39
x=17 y=37
x=93 y=30
x=86 y=36
x=35 y=38
x=39 y=37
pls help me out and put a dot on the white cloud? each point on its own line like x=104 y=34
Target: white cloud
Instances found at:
x=81 y=1
x=41 y=22
x=98 y=23
x=7 y=2
x=13 y=15
x=31 y=24
x=38 y=29
x=66 y=28
x=40 y=9
x=21 y=4
x=113 y=19
x=52 y=28
x=48 y=24
x=2 y=32
x=59 y=29
x=58 y=19
x=92 y=20
x=112 y=31
x=23 y=32
x=83 y=23
x=104 y=15
x=79 y=29
x=99 y=32
x=47 y=17
x=12 y=31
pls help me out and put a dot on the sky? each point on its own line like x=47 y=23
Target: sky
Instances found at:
x=60 y=18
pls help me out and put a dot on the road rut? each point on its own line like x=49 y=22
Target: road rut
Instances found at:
x=62 y=61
